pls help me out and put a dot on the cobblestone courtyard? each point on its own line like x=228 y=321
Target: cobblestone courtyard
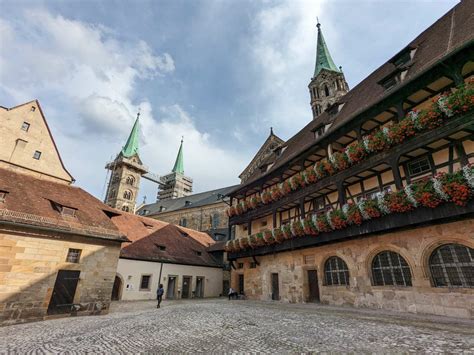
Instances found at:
x=239 y=326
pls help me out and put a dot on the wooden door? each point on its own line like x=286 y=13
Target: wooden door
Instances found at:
x=241 y=284
x=186 y=287
x=170 y=291
x=199 y=292
x=313 y=286
x=117 y=289
x=275 y=287
x=63 y=292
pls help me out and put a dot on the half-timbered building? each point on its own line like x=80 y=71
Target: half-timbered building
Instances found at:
x=372 y=203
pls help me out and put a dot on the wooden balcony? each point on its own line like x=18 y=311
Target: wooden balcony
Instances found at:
x=389 y=223
x=390 y=157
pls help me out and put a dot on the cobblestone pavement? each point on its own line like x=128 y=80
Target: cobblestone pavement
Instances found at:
x=220 y=326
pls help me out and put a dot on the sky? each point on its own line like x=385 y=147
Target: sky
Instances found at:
x=219 y=73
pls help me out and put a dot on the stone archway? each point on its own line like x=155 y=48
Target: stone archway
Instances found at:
x=117 y=289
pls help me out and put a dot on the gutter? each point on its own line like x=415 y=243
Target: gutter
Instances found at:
x=122 y=239
x=170 y=262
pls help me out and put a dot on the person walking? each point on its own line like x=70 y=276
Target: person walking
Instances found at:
x=159 y=295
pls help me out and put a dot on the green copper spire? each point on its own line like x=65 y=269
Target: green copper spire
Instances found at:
x=131 y=147
x=178 y=164
x=323 y=58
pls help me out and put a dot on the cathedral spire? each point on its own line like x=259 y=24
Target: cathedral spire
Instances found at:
x=179 y=164
x=131 y=147
x=323 y=57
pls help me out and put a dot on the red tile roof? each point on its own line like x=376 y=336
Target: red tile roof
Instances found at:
x=30 y=200
x=170 y=244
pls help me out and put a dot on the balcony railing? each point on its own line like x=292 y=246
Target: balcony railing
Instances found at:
x=422 y=216
x=387 y=156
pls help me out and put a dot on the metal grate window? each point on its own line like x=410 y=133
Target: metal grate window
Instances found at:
x=452 y=265
x=73 y=255
x=145 y=282
x=389 y=268
x=336 y=272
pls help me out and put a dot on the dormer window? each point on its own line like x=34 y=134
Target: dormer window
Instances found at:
x=161 y=247
x=404 y=57
x=319 y=131
x=149 y=226
x=198 y=253
x=37 y=155
x=68 y=211
x=3 y=196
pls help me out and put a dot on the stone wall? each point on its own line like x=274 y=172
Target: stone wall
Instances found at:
x=29 y=263
x=198 y=218
x=415 y=246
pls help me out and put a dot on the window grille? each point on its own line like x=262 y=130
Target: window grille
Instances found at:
x=389 y=268
x=145 y=282
x=452 y=265
x=418 y=167
x=73 y=255
x=336 y=272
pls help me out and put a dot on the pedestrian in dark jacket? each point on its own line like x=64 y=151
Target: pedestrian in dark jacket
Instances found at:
x=159 y=294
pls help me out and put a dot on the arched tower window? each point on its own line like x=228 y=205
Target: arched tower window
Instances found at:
x=336 y=272
x=317 y=93
x=452 y=265
x=127 y=195
x=112 y=193
x=130 y=180
x=326 y=90
x=389 y=268
x=115 y=178
x=125 y=208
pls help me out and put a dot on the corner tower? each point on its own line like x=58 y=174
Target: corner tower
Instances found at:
x=328 y=83
x=175 y=184
x=126 y=171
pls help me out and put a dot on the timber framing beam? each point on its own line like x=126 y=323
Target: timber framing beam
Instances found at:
x=386 y=157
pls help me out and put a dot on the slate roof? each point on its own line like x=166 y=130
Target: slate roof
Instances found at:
x=170 y=244
x=31 y=201
x=195 y=200
x=451 y=32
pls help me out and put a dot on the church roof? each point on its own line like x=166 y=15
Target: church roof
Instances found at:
x=131 y=147
x=179 y=163
x=191 y=201
x=323 y=57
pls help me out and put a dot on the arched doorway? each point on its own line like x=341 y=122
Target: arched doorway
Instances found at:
x=117 y=289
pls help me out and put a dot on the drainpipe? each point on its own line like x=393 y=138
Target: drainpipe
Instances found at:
x=159 y=277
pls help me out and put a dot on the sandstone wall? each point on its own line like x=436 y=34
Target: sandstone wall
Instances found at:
x=29 y=265
x=415 y=246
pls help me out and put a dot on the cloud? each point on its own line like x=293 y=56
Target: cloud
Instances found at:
x=284 y=50
x=90 y=79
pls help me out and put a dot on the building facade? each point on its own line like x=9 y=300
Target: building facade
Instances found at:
x=175 y=184
x=125 y=173
x=371 y=204
x=160 y=252
x=27 y=146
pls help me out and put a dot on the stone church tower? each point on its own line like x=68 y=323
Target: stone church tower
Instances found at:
x=328 y=83
x=175 y=184
x=126 y=171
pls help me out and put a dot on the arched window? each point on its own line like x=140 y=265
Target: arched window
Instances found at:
x=317 y=93
x=112 y=194
x=452 y=265
x=326 y=90
x=125 y=208
x=115 y=178
x=336 y=272
x=130 y=180
x=389 y=268
x=127 y=195
x=183 y=222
